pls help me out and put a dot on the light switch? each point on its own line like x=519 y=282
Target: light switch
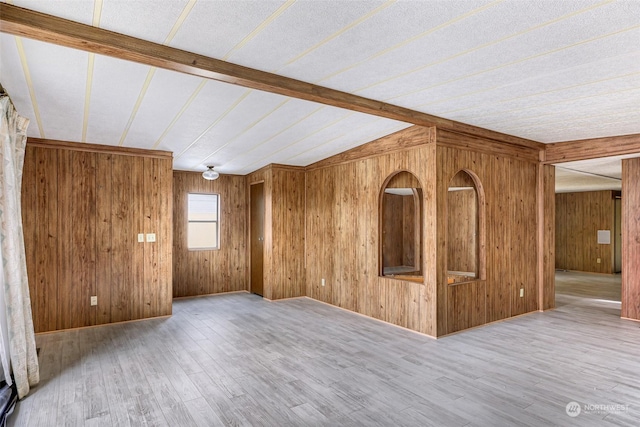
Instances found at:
x=141 y=238
x=94 y=300
x=151 y=237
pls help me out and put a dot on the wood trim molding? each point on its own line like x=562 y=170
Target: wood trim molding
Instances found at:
x=462 y=141
x=585 y=149
x=397 y=141
x=98 y=148
x=291 y=168
x=39 y=26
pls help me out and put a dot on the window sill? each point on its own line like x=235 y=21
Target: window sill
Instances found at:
x=404 y=277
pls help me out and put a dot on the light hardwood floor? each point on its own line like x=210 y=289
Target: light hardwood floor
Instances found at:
x=237 y=359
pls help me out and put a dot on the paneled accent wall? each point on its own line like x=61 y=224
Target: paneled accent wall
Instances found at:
x=579 y=216
x=509 y=183
x=342 y=231
x=631 y=238
x=202 y=272
x=342 y=228
x=284 y=233
x=83 y=207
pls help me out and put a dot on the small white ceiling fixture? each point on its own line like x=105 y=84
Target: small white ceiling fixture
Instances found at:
x=210 y=174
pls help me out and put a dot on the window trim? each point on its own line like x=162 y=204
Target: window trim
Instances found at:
x=217 y=222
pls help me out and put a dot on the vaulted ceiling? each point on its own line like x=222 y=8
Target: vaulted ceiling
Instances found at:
x=543 y=70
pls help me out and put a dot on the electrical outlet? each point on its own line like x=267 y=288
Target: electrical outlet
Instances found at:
x=599 y=260
x=521 y=292
x=141 y=238
x=322 y=282
x=94 y=300
x=151 y=237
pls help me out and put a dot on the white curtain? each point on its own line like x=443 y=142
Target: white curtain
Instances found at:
x=18 y=321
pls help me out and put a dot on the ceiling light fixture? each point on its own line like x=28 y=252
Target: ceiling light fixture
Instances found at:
x=210 y=174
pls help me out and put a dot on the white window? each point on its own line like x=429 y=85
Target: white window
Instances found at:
x=203 y=216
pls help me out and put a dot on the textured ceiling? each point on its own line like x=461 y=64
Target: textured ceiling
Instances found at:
x=590 y=175
x=544 y=70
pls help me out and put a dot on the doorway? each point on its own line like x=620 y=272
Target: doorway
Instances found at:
x=256 y=237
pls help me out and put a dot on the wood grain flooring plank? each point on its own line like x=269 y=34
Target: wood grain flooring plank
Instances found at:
x=202 y=413
x=301 y=362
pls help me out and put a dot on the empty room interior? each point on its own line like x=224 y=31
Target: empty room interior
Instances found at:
x=320 y=212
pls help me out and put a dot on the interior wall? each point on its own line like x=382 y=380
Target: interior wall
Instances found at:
x=342 y=229
x=509 y=184
x=579 y=216
x=462 y=229
x=288 y=236
x=393 y=231
x=284 y=231
x=546 y=236
x=82 y=212
x=409 y=230
x=202 y=272
x=631 y=239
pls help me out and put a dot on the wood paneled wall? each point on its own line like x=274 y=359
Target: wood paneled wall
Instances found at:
x=202 y=272
x=546 y=236
x=342 y=232
x=509 y=184
x=631 y=238
x=579 y=216
x=284 y=233
x=393 y=231
x=342 y=228
x=83 y=207
x=462 y=230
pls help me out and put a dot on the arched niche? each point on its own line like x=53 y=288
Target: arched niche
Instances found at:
x=401 y=227
x=465 y=228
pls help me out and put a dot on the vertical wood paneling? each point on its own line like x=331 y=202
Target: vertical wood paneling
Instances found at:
x=203 y=272
x=342 y=226
x=68 y=291
x=150 y=220
x=138 y=202
x=284 y=230
x=462 y=244
x=579 y=216
x=82 y=222
x=46 y=239
x=165 y=235
x=631 y=238
x=393 y=231
x=288 y=233
x=123 y=210
x=509 y=188
x=546 y=236
x=104 y=242
x=429 y=311
x=82 y=211
x=29 y=202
